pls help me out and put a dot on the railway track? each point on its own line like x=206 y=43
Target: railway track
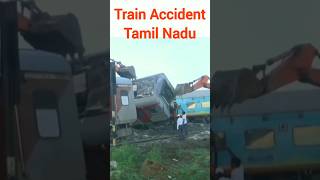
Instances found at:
x=153 y=139
x=147 y=140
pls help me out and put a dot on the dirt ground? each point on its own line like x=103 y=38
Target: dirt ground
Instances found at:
x=171 y=158
x=166 y=129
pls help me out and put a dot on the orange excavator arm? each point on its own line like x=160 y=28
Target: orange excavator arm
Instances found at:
x=236 y=86
x=203 y=81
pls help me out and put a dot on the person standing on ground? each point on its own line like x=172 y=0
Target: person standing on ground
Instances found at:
x=185 y=123
x=173 y=117
x=180 y=127
x=175 y=114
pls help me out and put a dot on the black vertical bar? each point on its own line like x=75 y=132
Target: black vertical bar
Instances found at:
x=113 y=93
x=113 y=78
x=9 y=60
x=213 y=147
x=109 y=104
x=213 y=150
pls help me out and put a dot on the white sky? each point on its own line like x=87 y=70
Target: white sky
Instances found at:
x=182 y=61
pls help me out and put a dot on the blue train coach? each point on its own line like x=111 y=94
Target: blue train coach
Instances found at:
x=196 y=104
x=275 y=136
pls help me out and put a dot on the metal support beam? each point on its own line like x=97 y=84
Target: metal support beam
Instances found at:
x=9 y=72
x=113 y=103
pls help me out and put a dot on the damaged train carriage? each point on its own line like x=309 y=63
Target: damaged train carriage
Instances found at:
x=125 y=107
x=153 y=96
x=90 y=86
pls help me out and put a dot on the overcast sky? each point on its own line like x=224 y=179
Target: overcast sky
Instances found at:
x=182 y=61
x=248 y=32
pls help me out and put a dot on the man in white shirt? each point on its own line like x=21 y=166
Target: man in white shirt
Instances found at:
x=185 y=123
x=180 y=126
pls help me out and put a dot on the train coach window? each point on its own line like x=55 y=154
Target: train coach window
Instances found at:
x=124 y=98
x=191 y=105
x=259 y=139
x=46 y=113
x=206 y=104
x=304 y=136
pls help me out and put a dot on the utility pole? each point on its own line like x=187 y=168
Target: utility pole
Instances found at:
x=10 y=80
x=113 y=102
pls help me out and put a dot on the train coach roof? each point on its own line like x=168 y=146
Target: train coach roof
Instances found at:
x=199 y=93
x=160 y=75
x=41 y=61
x=278 y=102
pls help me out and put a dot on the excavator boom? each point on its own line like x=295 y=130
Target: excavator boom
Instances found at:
x=236 y=86
x=203 y=81
x=58 y=34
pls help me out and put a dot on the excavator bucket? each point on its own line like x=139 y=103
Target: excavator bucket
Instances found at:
x=235 y=86
x=183 y=89
x=127 y=72
x=59 y=34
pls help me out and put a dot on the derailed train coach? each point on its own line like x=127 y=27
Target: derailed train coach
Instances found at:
x=48 y=123
x=125 y=107
x=153 y=96
x=90 y=86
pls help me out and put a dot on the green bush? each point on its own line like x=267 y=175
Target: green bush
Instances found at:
x=193 y=171
x=195 y=164
x=154 y=154
x=192 y=164
x=128 y=161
